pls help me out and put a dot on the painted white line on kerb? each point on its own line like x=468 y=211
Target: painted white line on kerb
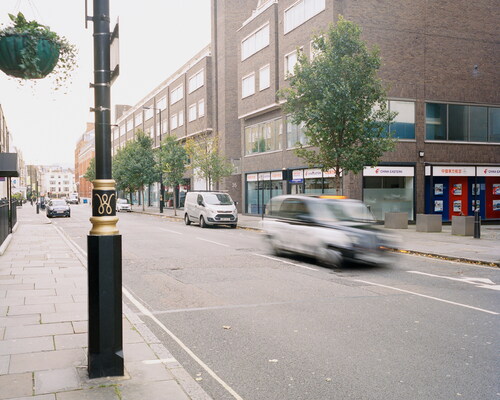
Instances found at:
x=211 y=241
x=286 y=262
x=168 y=230
x=427 y=297
x=147 y=313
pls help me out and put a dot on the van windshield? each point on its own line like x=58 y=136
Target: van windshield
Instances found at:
x=220 y=199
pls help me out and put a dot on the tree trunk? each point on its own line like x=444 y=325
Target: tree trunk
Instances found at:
x=175 y=201
x=142 y=193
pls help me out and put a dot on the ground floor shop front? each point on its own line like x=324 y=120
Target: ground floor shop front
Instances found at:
x=461 y=189
x=448 y=189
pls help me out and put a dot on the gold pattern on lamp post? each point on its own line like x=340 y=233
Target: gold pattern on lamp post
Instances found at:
x=104 y=217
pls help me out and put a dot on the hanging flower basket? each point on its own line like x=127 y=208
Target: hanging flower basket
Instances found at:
x=29 y=50
x=12 y=49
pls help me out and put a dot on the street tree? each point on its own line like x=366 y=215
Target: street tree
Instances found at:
x=340 y=101
x=134 y=165
x=90 y=173
x=173 y=159
x=206 y=161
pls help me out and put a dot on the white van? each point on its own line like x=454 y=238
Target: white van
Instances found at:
x=210 y=208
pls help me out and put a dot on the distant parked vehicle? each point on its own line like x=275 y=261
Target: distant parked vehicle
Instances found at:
x=73 y=199
x=58 y=207
x=210 y=208
x=123 y=205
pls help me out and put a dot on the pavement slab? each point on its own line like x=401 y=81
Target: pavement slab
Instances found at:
x=168 y=390
x=56 y=380
x=17 y=332
x=31 y=309
x=16 y=385
x=147 y=372
x=138 y=352
x=4 y=364
x=100 y=393
x=42 y=397
x=48 y=300
x=73 y=341
x=26 y=345
x=47 y=360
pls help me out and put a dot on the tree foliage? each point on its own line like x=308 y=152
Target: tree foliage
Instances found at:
x=134 y=165
x=206 y=161
x=341 y=101
x=173 y=159
x=90 y=173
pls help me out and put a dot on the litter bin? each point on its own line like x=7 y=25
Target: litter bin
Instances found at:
x=84 y=201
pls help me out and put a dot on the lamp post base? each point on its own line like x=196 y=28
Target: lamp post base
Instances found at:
x=105 y=306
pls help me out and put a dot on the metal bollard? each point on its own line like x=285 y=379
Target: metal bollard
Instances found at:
x=37 y=208
x=477 y=225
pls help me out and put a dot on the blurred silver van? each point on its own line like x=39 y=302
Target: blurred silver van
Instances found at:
x=210 y=208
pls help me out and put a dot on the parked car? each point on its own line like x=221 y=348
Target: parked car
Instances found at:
x=328 y=228
x=58 y=207
x=210 y=208
x=123 y=205
x=73 y=199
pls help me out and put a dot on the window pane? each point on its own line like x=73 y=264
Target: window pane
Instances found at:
x=264 y=78
x=459 y=122
x=404 y=123
x=494 y=125
x=478 y=124
x=435 y=121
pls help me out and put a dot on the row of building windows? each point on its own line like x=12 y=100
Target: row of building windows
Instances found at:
x=195 y=110
x=295 y=15
x=458 y=122
x=248 y=82
x=443 y=122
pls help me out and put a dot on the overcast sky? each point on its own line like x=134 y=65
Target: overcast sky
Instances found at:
x=156 y=38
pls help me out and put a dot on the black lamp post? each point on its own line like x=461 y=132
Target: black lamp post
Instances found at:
x=104 y=242
x=162 y=186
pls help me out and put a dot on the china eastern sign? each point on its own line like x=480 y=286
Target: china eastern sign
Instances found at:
x=389 y=171
x=488 y=171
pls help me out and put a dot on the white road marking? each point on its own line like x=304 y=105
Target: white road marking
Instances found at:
x=211 y=241
x=168 y=230
x=478 y=282
x=428 y=297
x=147 y=313
x=285 y=262
x=79 y=252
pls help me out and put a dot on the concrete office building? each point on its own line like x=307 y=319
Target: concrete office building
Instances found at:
x=439 y=63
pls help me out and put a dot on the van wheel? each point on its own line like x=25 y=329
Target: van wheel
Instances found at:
x=187 y=221
x=203 y=224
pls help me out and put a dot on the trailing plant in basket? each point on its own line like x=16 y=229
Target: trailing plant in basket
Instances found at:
x=29 y=50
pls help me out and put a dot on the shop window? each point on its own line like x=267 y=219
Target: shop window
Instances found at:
x=388 y=194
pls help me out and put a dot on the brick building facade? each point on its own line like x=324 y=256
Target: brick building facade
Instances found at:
x=439 y=63
x=84 y=152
